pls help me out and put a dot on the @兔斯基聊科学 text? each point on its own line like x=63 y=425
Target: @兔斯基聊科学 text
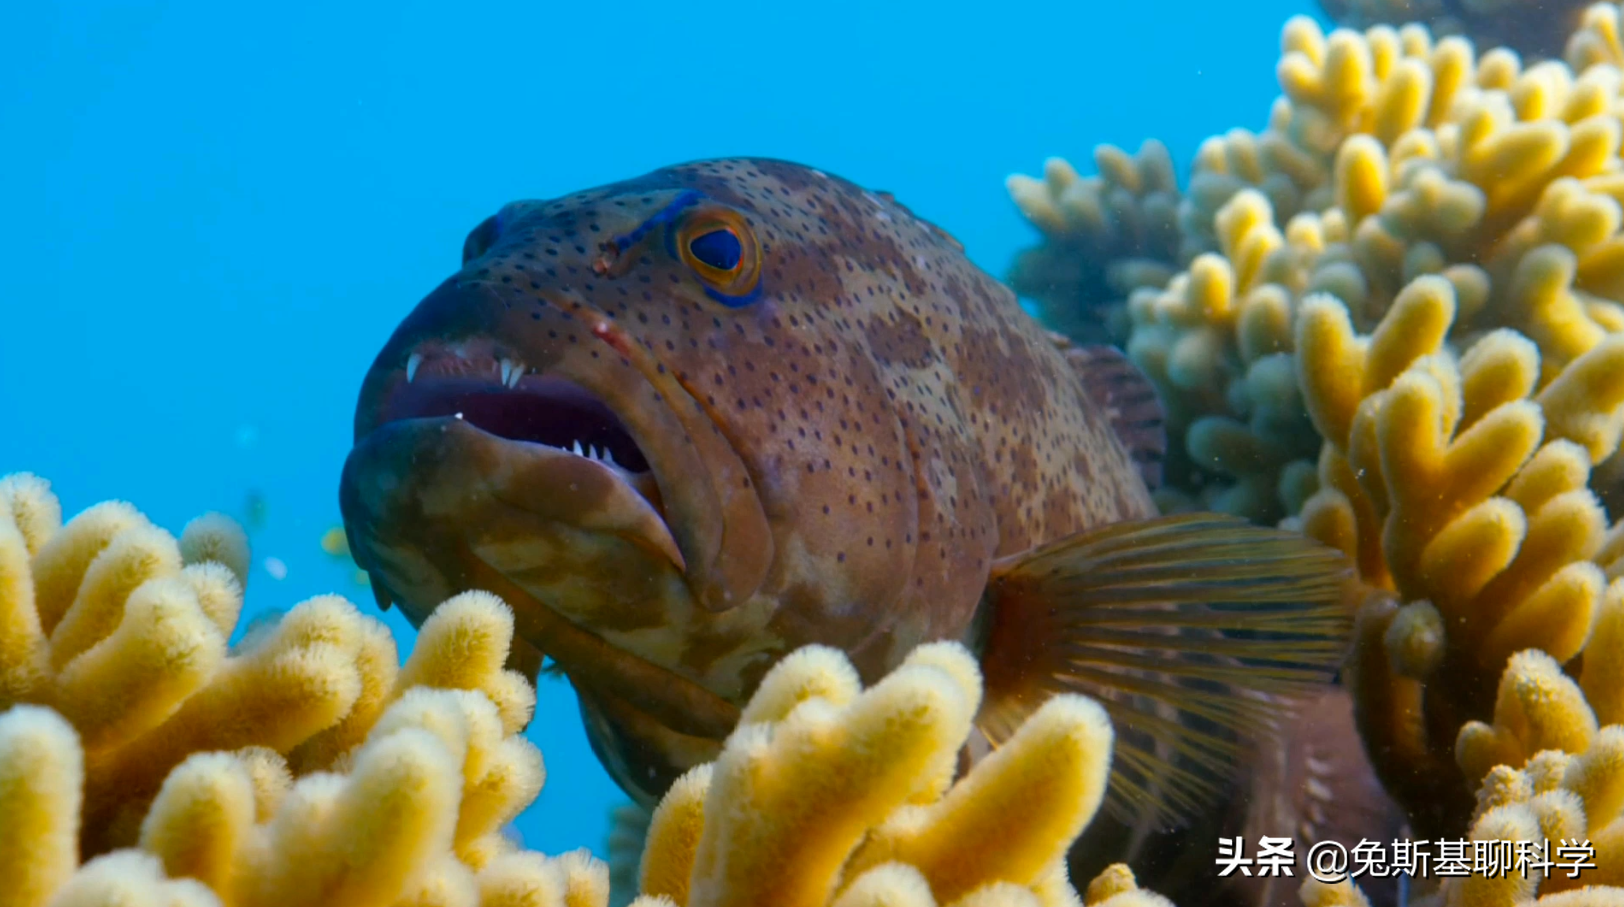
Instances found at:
x=1332 y=861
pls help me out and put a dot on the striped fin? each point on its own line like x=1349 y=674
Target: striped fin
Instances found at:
x=1191 y=630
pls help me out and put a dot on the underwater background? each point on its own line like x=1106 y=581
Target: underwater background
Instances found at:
x=215 y=215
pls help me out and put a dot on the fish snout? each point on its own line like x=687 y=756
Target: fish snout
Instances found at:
x=456 y=331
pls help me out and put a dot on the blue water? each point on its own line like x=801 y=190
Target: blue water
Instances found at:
x=214 y=214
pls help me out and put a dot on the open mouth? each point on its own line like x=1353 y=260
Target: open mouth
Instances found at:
x=505 y=399
x=473 y=470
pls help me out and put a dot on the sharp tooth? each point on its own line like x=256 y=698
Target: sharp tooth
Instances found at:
x=577 y=449
x=593 y=452
x=412 y=362
x=609 y=457
x=519 y=371
x=507 y=372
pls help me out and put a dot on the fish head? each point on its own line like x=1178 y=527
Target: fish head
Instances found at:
x=647 y=417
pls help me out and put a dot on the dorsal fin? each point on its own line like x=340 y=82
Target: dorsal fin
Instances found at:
x=1129 y=401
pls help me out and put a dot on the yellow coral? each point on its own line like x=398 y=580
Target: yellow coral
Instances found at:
x=1403 y=323
x=1537 y=709
x=235 y=828
x=1391 y=155
x=829 y=794
x=1548 y=777
x=1463 y=487
x=1545 y=753
x=307 y=766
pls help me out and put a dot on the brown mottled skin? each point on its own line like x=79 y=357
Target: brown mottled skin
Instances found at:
x=840 y=461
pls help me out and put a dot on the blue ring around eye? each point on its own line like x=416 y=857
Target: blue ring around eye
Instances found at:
x=719 y=249
x=736 y=302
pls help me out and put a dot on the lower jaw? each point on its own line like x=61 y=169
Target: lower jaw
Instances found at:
x=674 y=702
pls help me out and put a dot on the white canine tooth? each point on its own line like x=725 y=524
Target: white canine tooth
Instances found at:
x=412 y=362
x=507 y=372
x=577 y=449
x=609 y=457
x=593 y=452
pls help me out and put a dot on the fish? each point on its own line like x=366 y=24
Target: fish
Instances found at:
x=686 y=423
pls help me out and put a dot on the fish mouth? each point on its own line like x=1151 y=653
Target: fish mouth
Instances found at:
x=579 y=378
x=532 y=447
x=521 y=406
x=468 y=475
x=549 y=444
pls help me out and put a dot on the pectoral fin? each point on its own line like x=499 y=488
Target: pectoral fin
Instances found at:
x=1192 y=630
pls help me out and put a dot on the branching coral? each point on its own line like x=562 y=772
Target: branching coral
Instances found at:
x=1216 y=343
x=1496 y=179
x=307 y=766
x=1556 y=777
x=829 y=794
x=1596 y=41
x=1390 y=156
x=403 y=824
x=1550 y=784
x=1461 y=485
x=1103 y=237
x=1405 y=326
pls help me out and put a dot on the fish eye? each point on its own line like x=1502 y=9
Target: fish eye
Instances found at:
x=722 y=250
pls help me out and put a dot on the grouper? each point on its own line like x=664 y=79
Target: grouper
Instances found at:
x=687 y=423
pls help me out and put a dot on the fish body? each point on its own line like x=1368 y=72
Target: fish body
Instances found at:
x=687 y=423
